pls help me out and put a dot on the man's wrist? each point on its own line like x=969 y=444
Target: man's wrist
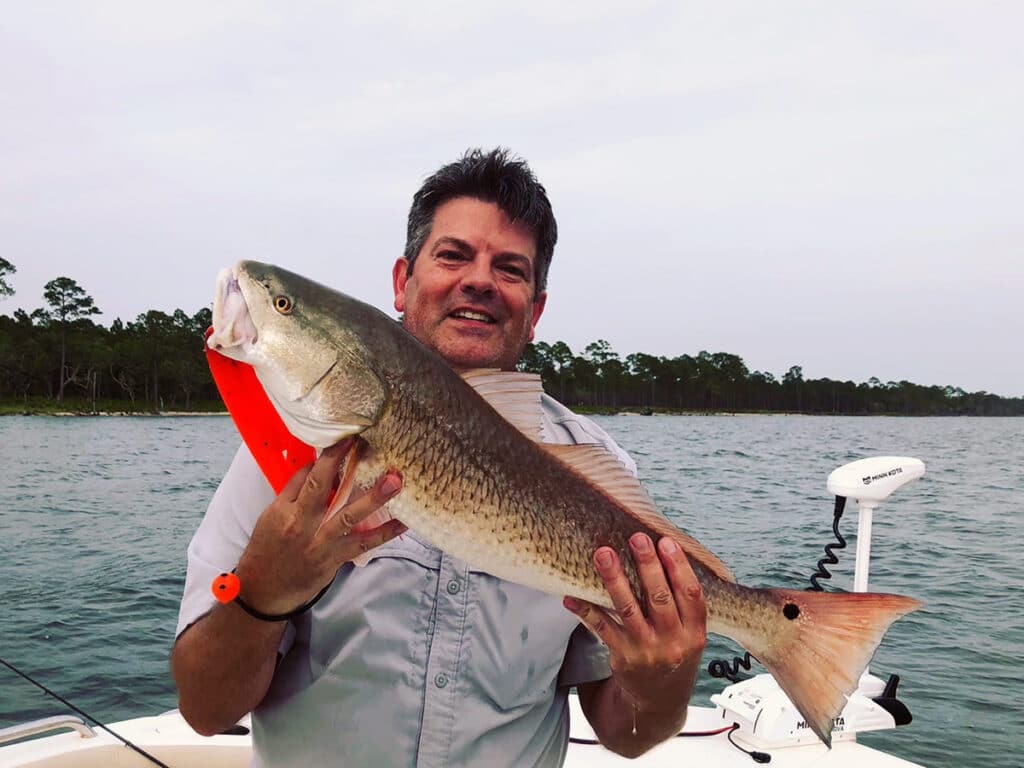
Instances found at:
x=658 y=718
x=227 y=588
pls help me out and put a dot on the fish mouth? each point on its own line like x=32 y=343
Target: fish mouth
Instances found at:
x=234 y=333
x=472 y=313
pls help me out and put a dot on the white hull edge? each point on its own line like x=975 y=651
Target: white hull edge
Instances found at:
x=169 y=738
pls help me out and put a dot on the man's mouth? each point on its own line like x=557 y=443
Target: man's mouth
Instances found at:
x=472 y=314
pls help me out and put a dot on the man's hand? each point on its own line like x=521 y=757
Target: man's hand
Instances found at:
x=223 y=664
x=293 y=553
x=654 y=657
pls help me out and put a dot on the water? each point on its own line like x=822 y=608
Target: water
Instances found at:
x=95 y=515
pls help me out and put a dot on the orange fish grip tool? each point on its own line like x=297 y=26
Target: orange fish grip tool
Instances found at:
x=277 y=452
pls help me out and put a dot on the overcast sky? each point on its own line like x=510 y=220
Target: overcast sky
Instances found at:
x=832 y=185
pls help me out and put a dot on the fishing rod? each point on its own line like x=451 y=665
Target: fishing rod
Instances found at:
x=84 y=714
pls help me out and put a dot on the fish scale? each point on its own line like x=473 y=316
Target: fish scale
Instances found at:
x=464 y=505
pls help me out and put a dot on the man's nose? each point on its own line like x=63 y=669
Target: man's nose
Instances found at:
x=478 y=279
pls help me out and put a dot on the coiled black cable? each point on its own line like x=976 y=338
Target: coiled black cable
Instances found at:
x=730 y=670
x=830 y=557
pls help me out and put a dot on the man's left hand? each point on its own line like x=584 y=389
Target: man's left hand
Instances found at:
x=656 y=649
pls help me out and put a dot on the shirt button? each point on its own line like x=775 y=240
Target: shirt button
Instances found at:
x=441 y=680
x=453 y=587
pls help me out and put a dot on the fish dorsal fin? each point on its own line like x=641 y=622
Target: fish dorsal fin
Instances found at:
x=514 y=395
x=602 y=469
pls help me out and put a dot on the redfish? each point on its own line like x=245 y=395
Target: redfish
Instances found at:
x=479 y=484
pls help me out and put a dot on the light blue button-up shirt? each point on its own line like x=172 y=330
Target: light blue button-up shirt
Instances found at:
x=414 y=659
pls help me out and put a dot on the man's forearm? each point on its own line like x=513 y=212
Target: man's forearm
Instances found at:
x=611 y=713
x=222 y=666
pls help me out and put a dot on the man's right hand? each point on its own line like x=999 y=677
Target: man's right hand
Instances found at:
x=224 y=663
x=293 y=553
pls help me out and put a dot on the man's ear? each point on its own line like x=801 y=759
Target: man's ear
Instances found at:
x=399 y=276
x=538 y=310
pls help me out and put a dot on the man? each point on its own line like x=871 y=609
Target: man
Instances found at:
x=416 y=658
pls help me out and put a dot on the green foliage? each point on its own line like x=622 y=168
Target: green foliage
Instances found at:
x=68 y=300
x=6 y=269
x=718 y=381
x=70 y=306
x=157 y=363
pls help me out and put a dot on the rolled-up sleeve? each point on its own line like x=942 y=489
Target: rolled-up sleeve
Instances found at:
x=586 y=659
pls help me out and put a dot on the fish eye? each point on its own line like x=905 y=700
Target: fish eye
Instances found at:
x=283 y=305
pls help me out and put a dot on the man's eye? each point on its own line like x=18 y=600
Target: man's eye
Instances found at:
x=450 y=256
x=512 y=269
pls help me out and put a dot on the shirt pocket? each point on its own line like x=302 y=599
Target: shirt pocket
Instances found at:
x=376 y=617
x=516 y=639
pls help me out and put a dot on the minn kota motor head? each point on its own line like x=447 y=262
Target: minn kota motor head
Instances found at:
x=872 y=480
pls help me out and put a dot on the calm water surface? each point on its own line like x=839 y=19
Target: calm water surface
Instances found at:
x=95 y=515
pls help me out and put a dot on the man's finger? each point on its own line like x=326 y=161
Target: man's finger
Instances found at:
x=689 y=596
x=597 y=621
x=620 y=591
x=292 y=488
x=361 y=507
x=360 y=542
x=661 y=603
x=320 y=480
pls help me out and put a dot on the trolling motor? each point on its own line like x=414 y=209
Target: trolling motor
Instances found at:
x=766 y=717
x=870 y=482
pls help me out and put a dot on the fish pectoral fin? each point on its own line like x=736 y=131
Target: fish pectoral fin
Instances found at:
x=603 y=470
x=514 y=395
x=346 y=478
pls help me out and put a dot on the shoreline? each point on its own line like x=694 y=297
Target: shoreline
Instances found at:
x=147 y=414
x=583 y=411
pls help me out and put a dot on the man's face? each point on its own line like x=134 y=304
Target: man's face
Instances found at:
x=470 y=296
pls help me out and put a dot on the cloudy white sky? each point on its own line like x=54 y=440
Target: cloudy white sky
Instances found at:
x=833 y=185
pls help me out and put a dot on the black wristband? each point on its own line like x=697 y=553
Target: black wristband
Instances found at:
x=219 y=585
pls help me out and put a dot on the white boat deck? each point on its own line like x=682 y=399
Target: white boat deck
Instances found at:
x=169 y=738
x=717 y=751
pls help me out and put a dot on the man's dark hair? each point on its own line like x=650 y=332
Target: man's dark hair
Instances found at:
x=493 y=177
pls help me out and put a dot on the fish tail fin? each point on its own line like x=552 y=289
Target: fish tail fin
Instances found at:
x=821 y=645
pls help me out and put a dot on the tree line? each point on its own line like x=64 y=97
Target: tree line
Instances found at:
x=719 y=381
x=56 y=357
